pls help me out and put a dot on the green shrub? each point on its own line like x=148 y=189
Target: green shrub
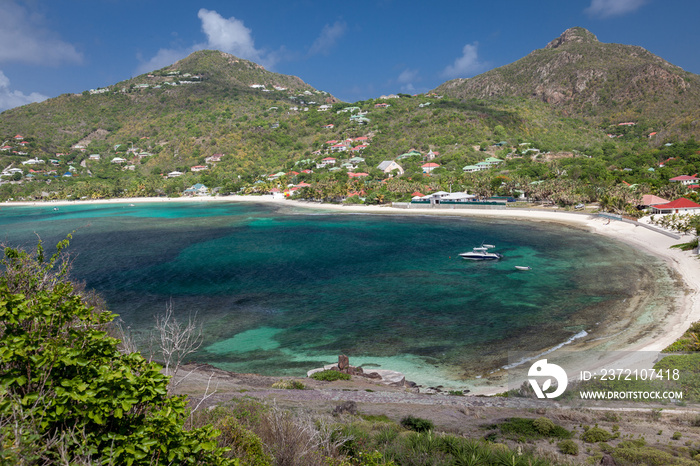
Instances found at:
x=676 y=436
x=543 y=425
x=595 y=435
x=64 y=379
x=568 y=447
x=417 y=424
x=244 y=444
x=289 y=385
x=648 y=456
x=330 y=376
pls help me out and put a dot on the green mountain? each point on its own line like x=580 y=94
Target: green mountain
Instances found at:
x=229 y=123
x=606 y=84
x=194 y=97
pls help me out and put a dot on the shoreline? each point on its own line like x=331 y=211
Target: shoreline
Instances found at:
x=646 y=344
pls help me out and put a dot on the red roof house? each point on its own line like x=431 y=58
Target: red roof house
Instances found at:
x=430 y=166
x=685 y=179
x=680 y=205
x=650 y=199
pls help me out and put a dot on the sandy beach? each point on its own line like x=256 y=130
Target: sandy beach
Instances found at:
x=640 y=341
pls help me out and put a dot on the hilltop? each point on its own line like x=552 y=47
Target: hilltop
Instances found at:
x=578 y=76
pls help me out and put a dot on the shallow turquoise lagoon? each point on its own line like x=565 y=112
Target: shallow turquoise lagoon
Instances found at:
x=282 y=290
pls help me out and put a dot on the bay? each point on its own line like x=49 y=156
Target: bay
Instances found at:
x=281 y=290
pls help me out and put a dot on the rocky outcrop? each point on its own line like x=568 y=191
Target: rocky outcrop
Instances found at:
x=575 y=34
x=383 y=376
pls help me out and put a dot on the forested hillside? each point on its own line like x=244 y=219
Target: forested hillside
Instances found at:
x=579 y=117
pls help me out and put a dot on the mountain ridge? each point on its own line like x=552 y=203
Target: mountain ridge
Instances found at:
x=578 y=75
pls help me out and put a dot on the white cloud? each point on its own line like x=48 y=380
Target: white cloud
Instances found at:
x=11 y=99
x=328 y=38
x=465 y=65
x=406 y=80
x=25 y=39
x=227 y=35
x=611 y=8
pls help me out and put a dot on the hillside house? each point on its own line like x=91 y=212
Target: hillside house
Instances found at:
x=685 y=180
x=408 y=154
x=429 y=167
x=493 y=161
x=472 y=168
x=328 y=161
x=389 y=166
x=199 y=168
x=214 y=158
x=174 y=174
x=34 y=161
x=94 y=157
x=118 y=160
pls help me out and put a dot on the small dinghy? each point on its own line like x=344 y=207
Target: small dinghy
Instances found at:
x=523 y=267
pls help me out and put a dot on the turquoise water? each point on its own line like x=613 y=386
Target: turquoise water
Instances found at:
x=282 y=290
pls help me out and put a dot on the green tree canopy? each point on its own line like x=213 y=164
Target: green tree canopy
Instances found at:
x=67 y=394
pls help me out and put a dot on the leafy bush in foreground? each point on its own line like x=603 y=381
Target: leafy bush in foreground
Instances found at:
x=67 y=395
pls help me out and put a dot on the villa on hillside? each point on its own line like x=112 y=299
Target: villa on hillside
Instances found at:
x=34 y=161
x=388 y=166
x=429 y=167
x=473 y=168
x=686 y=180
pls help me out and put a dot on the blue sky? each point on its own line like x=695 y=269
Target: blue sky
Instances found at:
x=354 y=50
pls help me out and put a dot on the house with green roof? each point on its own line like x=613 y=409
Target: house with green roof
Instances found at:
x=196 y=190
